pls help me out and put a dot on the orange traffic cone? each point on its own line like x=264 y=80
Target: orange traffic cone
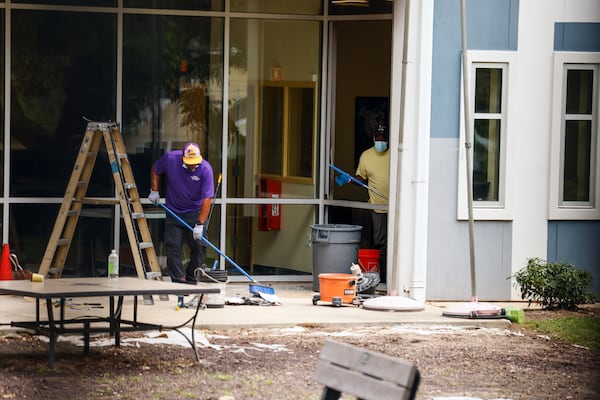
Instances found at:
x=5 y=266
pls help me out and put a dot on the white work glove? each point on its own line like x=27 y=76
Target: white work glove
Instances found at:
x=198 y=230
x=154 y=197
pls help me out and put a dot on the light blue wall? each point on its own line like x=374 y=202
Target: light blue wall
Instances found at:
x=577 y=36
x=491 y=25
x=577 y=243
x=448 y=264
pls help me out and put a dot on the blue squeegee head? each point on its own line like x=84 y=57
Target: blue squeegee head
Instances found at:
x=261 y=289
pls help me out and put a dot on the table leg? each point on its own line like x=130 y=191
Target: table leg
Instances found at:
x=86 y=337
x=52 y=334
x=198 y=306
x=62 y=311
x=117 y=321
x=37 y=313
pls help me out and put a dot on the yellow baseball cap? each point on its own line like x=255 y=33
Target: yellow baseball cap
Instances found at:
x=191 y=154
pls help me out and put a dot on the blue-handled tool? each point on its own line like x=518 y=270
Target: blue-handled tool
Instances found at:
x=255 y=287
x=340 y=171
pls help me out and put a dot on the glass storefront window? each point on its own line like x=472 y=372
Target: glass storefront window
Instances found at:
x=2 y=103
x=172 y=88
x=256 y=237
x=200 y=5
x=273 y=86
x=63 y=70
x=306 y=7
x=31 y=225
x=356 y=7
x=172 y=94
x=87 y=3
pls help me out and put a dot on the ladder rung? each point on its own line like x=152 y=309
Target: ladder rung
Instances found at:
x=146 y=245
x=97 y=201
x=63 y=242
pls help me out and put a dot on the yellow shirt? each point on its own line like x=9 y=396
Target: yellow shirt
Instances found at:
x=374 y=167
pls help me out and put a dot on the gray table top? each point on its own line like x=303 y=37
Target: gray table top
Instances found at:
x=95 y=287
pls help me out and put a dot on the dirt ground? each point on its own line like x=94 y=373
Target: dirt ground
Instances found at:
x=278 y=364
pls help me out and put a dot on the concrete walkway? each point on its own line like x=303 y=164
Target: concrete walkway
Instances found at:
x=296 y=309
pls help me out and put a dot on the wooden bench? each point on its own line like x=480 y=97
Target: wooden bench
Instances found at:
x=366 y=374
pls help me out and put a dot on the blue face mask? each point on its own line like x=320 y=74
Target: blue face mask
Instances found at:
x=381 y=146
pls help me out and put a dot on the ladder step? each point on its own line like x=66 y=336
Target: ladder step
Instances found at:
x=97 y=201
x=146 y=245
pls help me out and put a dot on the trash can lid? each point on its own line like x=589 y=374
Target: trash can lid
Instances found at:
x=337 y=227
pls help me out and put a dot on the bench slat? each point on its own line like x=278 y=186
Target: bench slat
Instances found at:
x=364 y=373
x=359 y=385
x=368 y=362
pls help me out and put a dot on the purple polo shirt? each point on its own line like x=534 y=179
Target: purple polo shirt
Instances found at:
x=185 y=189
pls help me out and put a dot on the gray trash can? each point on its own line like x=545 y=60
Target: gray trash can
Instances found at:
x=335 y=248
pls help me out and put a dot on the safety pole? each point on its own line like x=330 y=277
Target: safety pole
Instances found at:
x=468 y=145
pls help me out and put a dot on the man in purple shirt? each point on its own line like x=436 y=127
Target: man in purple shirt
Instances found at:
x=190 y=191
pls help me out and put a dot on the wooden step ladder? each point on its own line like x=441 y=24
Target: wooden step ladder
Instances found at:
x=140 y=241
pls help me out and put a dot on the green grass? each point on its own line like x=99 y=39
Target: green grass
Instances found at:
x=583 y=331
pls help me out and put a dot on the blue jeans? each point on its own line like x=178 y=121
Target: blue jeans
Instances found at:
x=176 y=235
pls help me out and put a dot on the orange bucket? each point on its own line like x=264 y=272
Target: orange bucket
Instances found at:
x=368 y=260
x=337 y=285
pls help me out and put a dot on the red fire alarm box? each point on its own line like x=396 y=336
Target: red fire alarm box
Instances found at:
x=269 y=215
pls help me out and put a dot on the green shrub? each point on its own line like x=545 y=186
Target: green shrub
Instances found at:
x=555 y=285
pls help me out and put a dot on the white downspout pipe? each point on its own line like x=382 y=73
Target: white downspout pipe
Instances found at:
x=409 y=205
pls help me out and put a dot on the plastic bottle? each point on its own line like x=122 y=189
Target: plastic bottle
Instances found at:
x=113 y=265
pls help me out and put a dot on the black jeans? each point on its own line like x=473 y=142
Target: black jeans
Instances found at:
x=176 y=235
x=380 y=241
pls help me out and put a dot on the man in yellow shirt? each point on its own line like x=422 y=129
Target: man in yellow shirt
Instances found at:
x=374 y=171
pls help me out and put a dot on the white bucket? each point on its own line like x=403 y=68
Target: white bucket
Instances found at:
x=214 y=300
x=208 y=279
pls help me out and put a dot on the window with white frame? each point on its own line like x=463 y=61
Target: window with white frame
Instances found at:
x=578 y=120
x=491 y=86
x=488 y=125
x=574 y=188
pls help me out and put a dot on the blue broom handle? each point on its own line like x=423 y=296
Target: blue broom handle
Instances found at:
x=205 y=240
x=340 y=171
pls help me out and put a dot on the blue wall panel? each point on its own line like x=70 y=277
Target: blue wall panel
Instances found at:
x=577 y=243
x=448 y=264
x=577 y=36
x=491 y=25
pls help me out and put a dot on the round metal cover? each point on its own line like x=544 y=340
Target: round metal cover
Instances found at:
x=473 y=309
x=393 y=303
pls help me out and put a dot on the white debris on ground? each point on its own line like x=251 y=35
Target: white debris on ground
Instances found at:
x=152 y=337
x=178 y=338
